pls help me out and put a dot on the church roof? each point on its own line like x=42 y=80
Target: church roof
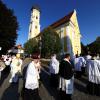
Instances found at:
x=62 y=20
x=35 y=7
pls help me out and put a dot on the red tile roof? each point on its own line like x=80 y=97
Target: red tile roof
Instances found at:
x=62 y=20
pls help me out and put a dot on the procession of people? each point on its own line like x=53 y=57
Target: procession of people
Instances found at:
x=62 y=74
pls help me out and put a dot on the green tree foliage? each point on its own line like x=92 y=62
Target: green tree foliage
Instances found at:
x=83 y=49
x=50 y=42
x=94 y=47
x=8 y=27
x=31 y=46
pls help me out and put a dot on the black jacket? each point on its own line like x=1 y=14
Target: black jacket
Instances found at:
x=66 y=70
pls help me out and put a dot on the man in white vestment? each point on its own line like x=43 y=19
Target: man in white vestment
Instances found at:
x=15 y=69
x=54 y=69
x=83 y=64
x=93 y=69
x=78 y=66
x=32 y=82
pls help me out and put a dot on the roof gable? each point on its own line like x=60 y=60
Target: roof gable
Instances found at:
x=62 y=20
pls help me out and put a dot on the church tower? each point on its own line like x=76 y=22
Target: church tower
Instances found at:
x=34 y=27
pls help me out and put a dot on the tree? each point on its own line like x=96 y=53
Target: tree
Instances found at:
x=31 y=46
x=83 y=49
x=50 y=42
x=94 y=47
x=8 y=28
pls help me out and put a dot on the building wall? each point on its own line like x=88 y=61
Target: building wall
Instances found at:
x=76 y=36
x=70 y=36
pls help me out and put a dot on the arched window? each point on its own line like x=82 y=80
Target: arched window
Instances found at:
x=36 y=17
x=35 y=27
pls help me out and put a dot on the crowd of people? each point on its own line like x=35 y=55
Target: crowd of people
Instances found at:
x=62 y=73
x=13 y=65
x=90 y=66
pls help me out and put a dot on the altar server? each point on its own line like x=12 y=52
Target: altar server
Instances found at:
x=93 y=69
x=54 y=69
x=32 y=82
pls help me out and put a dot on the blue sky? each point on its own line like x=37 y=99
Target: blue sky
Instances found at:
x=88 y=13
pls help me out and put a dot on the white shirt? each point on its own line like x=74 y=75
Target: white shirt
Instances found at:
x=83 y=61
x=94 y=71
x=79 y=62
x=32 y=77
x=16 y=65
x=7 y=61
x=54 y=66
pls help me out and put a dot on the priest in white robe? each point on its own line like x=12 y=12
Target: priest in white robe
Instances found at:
x=32 y=82
x=83 y=64
x=78 y=65
x=93 y=69
x=54 y=69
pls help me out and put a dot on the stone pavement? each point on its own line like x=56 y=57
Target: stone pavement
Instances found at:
x=13 y=91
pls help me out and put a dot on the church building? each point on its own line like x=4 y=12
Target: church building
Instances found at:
x=68 y=30
x=66 y=27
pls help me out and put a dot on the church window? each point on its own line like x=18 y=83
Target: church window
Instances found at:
x=35 y=27
x=36 y=17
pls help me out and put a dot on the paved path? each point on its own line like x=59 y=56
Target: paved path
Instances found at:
x=13 y=91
